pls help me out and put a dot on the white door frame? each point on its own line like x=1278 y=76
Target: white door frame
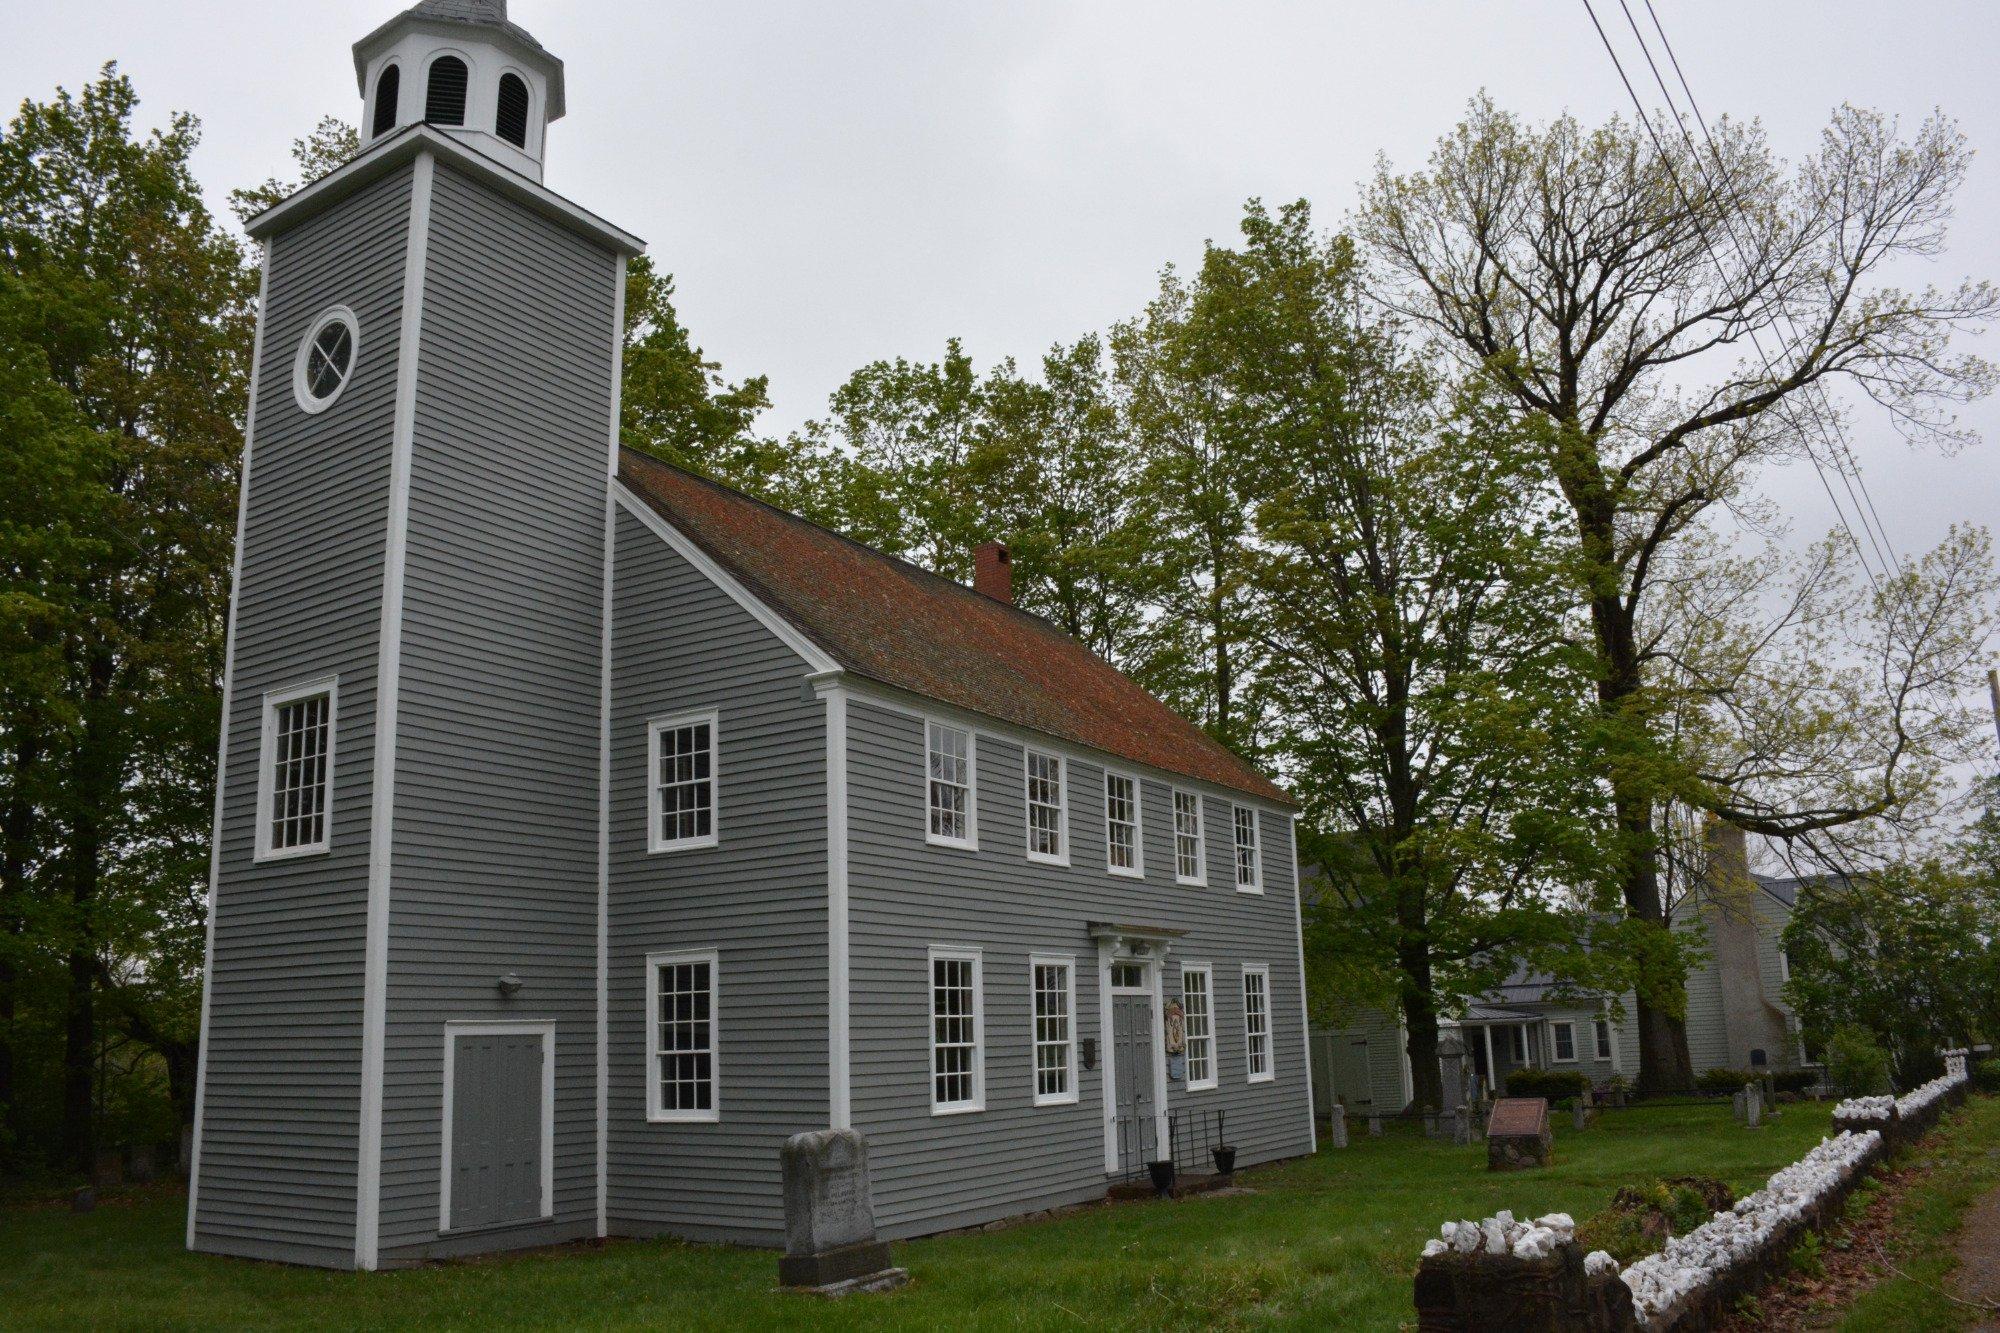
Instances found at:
x=453 y=1030
x=1152 y=957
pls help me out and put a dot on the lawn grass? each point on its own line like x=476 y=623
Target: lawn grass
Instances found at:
x=1964 y=1162
x=1331 y=1241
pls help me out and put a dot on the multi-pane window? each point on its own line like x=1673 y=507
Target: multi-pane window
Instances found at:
x=1046 y=822
x=1249 y=858
x=1199 y=1014
x=1564 y=1035
x=1603 y=1029
x=950 y=784
x=1188 y=860
x=1055 y=1029
x=957 y=1062
x=680 y=1013
x=1257 y=1021
x=296 y=779
x=1121 y=825
x=682 y=795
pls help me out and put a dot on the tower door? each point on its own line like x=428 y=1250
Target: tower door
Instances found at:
x=496 y=1135
x=1132 y=1035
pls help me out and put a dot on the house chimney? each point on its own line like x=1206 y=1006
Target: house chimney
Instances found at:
x=993 y=572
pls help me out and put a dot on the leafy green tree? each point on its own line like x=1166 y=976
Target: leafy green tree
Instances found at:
x=332 y=142
x=1665 y=319
x=124 y=297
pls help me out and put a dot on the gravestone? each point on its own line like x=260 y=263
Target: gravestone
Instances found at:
x=1374 y=1126
x=1580 y=1113
x=1338 y=1129
x=1518 y=1136
x=1753 y=1106
x=830 y=1244
x=1461 y=1127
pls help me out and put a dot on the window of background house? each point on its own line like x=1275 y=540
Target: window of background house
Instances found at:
x=1564 y=1036
x=952 y=813
x=1603 y=1032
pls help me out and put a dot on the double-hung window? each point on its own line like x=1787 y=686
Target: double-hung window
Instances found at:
x=1249 y=855
x=680 y=1022
x=1190 y=861
x=953 y=807
x=1603 y=1029
x=1123 y=852
x=1054 y=982
x=958 y=1039
x=1048 y=821
x=1564 y=1037
x=1257 y=1022
x=1198 y=1011
x=680 y=794
x=295 y=771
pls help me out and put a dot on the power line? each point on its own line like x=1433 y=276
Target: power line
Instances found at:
x=1823 y=414
x=1701 y=229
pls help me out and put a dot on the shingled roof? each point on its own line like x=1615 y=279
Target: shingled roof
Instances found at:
x=889 y=621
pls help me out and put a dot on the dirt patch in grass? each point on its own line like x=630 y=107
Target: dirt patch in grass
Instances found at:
x=1978 y=1275
x=1853 y=1255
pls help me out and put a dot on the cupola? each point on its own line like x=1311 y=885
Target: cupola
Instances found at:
x=461 y=67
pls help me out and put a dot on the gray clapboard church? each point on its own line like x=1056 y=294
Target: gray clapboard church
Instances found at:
x=584 y=828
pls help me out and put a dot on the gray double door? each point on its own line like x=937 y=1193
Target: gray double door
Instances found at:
x=1132 y=1044
x=496 y=1129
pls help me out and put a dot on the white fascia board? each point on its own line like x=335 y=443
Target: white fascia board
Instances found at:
x=789 y=634
x=406 y=145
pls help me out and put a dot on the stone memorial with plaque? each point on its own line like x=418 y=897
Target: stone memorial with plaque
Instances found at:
x=830 y=1244
x=1518 y=1136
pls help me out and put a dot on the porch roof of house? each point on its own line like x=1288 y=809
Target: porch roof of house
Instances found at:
x=890 y=621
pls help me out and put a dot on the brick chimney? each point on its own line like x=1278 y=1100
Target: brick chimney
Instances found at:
x=993 y=572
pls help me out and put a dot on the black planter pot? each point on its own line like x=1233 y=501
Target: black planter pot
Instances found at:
x=1163 y=1177
x=1225 y=1160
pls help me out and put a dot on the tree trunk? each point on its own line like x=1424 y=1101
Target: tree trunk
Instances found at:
x=1664 y=1064
x=15 y=851
x=1420 y=1024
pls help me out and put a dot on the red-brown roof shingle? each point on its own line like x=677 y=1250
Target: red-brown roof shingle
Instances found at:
x=892 y=622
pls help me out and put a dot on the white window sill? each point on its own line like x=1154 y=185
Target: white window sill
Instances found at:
x=1202 y=1087
x=1185 y=882
x=1043 y=858
x=1250 y=888
x=1062 y=1099
x=1128 y=872
x=683 y=845
x=292 y=853
x=1263 y=1078
x=956 y=844
x=684 y=1117
x=958 y=1108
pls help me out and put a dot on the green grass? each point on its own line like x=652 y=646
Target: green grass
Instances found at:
x=1331 y=1242
x=1965 y=1163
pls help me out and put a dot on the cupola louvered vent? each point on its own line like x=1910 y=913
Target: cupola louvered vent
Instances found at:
x=511 y=119
x=444 y=99
x=388 y=88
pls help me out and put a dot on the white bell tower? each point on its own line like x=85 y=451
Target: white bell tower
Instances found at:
x=461 y=67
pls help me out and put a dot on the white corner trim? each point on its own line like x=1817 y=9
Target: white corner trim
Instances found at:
x=1107 y=1083
x=655 y=844
x=222 y=738
x=655 y=1113
x=1305 y=1019
x=388 y=676
x=1068 y=1097
x=814 y=656
x=840 y=1092
x=453 y=1030
x=603 y=1055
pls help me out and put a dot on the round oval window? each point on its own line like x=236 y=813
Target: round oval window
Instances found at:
x=326 y=359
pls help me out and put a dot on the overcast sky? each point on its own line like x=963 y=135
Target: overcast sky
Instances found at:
x=835 y=182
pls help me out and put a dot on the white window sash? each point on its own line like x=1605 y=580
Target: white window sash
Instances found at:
x=1255 y=847
x=1067 y=962
x=1600 y=1031
x=655 y=842
x=1181 y=875
x=656 y=1109
x=1060 y=857
x=1251 y=1013
x=970 y=787
x=267 y=758
x=937 y=954
x=1558 y=1031
x=1137 y=870
x=1208 y=1080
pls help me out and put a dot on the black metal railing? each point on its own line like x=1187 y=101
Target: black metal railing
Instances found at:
x=1193 y=1137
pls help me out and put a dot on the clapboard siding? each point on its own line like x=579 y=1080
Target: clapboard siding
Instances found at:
x=935 y=1172
x=758 y=898
x=498 y=742
x=281 y=1113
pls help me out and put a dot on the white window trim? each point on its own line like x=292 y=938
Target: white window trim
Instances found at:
x=301 y=391
x=970 y=842
x=1067 y=962
x=266 y=754
x=1137 y=870
x=1601 y=1038
x=656 y=1113
x=1256 y=884
x=655 y=844
x=453 y=1030
x=977 y=959
x=1555 y=1048
x=1213 y=1081
x=1200 y=878
x=1270 y=1073
x=1062 y=806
